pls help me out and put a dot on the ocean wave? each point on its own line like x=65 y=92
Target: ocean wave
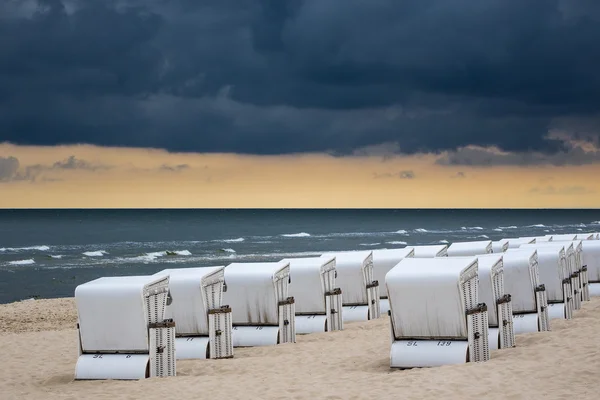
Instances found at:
x=536 y=226
x=213 y=258
x=595 y=223
x=471 y=228
x=145 y=259
x=421 y=230
x=39 y=248
x=352 y=234
x=57 y=256
x=397 y=242
x=402 y=232
x=236 y=240
x=22 y=262
x=227 y=250
x=497 y=230
x=508 y=227
x=296 y=235
x=98 y=253
x=369 y=244
x=180 y=253
x=443 y=241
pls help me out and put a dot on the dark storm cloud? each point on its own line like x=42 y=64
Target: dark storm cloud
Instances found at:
x=480 y=157
x=408 y=174
x=10 y=168
x=284 y=76
x=175 y=168
x=567 y=190
x=74 y=163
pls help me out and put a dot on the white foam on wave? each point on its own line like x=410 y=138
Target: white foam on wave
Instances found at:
x=595 y=223
x=483 y=236
x=397 y=242
x=352 y=234
x=146 y=258
x=296 y=235
x=497 y=230
x=183 y=252
x=39 y=248
x=421 y=230
x=369 y=244
x=536 y=226
x=98 y=253
x=236 y=240
x=22 y=262
x=508 y=227
x=228 y=250
x=471 y=228
x=57 y=256
x=401 y=232
x=443 y=241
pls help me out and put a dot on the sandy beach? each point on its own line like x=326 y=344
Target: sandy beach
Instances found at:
x=39 y=352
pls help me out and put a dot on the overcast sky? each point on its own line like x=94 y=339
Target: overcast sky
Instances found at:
x=484 y=83
x=280 y=76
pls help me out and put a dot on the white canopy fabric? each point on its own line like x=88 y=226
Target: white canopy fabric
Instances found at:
x=426 y=299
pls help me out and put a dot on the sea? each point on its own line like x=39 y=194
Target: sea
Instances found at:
x=47 y=253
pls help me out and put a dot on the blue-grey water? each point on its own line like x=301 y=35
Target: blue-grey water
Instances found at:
x=47 y=253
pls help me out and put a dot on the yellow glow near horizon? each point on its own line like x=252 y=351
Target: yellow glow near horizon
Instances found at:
x=135 y=179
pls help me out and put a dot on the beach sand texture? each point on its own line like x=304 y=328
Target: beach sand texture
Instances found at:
x=39 y=352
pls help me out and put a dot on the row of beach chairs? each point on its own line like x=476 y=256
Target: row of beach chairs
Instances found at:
x=447 y=304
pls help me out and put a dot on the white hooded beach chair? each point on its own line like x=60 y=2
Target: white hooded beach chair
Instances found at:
x=565 y=237
x=500 y=246
x=123 y=333
x=528 y=295
x=556 y=277
x=591 y=261
x=383 y=261
x=573 y=265
x=317 y=299
x=360 y=291
x=435 y=313
x=430 y=251
x=458 y=249
x=585 y=236
x=582 y=270
x=263 y=313
x=511 y=243
x=491 y=292
x=202 y=323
